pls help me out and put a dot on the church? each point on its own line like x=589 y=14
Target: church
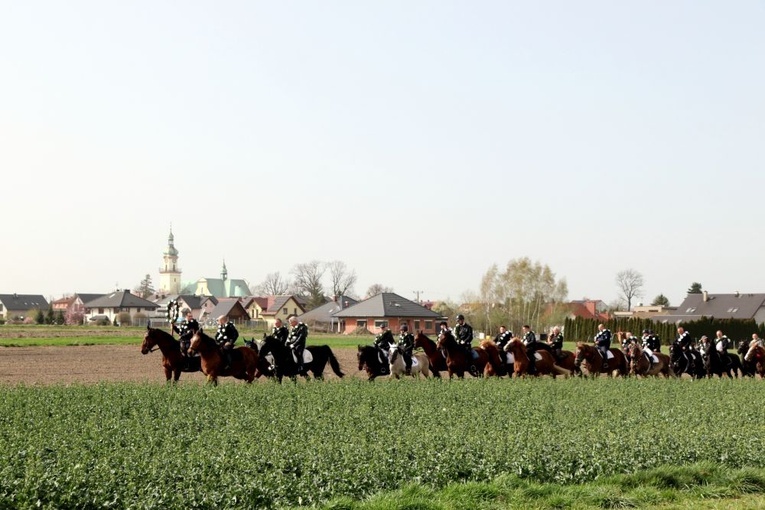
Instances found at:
x=170 y=282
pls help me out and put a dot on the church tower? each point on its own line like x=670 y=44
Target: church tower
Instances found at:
x=170 y=273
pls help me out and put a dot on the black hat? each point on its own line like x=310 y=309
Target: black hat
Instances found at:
x=460 y=317
x=404 y=327
x=646 y=331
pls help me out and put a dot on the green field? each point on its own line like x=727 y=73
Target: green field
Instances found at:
x=398 y=444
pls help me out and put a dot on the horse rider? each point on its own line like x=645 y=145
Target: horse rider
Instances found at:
x=383 y=341
x=406 y=346
x=530 y=340
x=186 y=330
x=651 y=344
x=603 y=343
x=555 y=341
x=501 y=340
x=628 y=339
x=756 y=340
x=722 y=344
x=296 y=340
x=225 y=337
x=463 y=332
x=685 y=342
x=280 y=331
x=444 y=326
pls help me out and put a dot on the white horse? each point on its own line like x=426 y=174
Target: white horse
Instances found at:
x=420 y=363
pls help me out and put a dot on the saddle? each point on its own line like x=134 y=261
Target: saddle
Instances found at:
x=307 y=357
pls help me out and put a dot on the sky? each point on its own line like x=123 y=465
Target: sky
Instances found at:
x=419 y=142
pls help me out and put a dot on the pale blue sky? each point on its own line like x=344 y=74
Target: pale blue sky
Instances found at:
x=417 y=141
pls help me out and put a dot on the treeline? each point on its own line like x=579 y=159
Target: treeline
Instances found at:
x=736 y=329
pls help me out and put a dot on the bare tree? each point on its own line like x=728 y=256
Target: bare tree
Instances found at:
x=273 y=285
x=630 y=284
x=377 y=288
x=308 y=281
x=343 y=279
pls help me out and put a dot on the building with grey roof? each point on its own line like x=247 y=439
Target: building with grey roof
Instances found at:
x=390 y=309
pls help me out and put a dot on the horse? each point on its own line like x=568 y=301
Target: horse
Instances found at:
x=748 y=368
x=436 y=358
x=639 y=364
x=315 y=358
x=714 y=362
x=420 y=363
x=756 y=355
x=680 y=363
x=369 y=360
x=457 y=361
x=594 y=360
x=566 y=360
x=545 y=364
x=173 y=361
x=244 y=360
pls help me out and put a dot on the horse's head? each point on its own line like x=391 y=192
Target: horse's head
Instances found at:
x=514 y=345
x=582 y=353
x=361 y=356
x=421 y=339
x=393 y=353
x=367 y=355
x=742 y=347
x=197 y=340
x=444 y=338
x=148 y=340
x=755 y=352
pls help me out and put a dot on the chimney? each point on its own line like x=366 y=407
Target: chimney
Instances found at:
x=738 y=294
x=705 y=296
x=334 y=298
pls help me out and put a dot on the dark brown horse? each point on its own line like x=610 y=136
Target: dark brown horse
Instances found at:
x=244 y=360
x=173 y=362
x=369 y=361
x=457 y=362
x=639 y=364
x=591 y=357
x=437 y=360
x=566 y=360
x=545 y=365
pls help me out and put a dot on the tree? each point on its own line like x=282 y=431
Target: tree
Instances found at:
x=630 y=284
x=524 y=292
x=273 y=285
x=307 y=281
x=145 y=288
x=343 y=280
x=377 y=288
x=660 y=300
x=695 y=288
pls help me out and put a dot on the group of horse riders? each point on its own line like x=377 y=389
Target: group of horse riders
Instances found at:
x=405 y=343
x=227 y=334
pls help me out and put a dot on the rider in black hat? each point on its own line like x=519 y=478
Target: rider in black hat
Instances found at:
x=463 y=332
x=406 y=345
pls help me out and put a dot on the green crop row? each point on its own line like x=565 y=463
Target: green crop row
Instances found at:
x=267 y=445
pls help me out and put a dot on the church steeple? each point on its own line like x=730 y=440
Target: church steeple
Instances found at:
x=170 y=273
x=224 y=272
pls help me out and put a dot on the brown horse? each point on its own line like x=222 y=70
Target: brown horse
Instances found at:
x=545 y=365
x=567 y=359
x=244 y=360
x=590 y=355
x=639 y=364
x=756 y=355
x=494 y=367
x=457 y=362
x=437 y=360
x=173 y=362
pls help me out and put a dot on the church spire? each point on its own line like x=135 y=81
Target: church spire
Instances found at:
x=224 y=272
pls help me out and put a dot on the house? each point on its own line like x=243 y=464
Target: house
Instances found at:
x=718 y=306
x=231 y=308
x=21 y=306
x=322 y=318
x=197 y=304
x=255 y=306
x=587 y=308
x=281 y=307
x=62 y=305
x=387 y=308
x=109 y=307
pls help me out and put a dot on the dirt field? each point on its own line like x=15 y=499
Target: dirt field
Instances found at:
x=100 y=363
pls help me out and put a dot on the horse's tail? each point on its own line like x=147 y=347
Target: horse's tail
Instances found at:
x=334 y=363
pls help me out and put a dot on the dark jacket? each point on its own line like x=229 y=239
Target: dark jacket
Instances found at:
x=187 y=329
x=406 y=342
x=556 y=341
x=281 y=333
x=226 y=333
x=603 y=339
x=652 y=342
x=529 y=339
x=298 y=336
x=384 y=340
x=503 y=338
x=464 y=333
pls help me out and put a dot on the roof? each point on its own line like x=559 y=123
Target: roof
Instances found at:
x=387 y=304
x=720 y=306
x=324 y=312
x=87 y=297
x=221 y=288
x=23 y=302
x=121 y=299
x=226 y=306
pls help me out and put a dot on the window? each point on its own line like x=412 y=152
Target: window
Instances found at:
x=101 y=310
x=361 y=323
x=732 y=310
x=428 y=325
x=690 y=310
x=416 y=325
x=138 y=310
x=379 y=324
x=285 y=310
